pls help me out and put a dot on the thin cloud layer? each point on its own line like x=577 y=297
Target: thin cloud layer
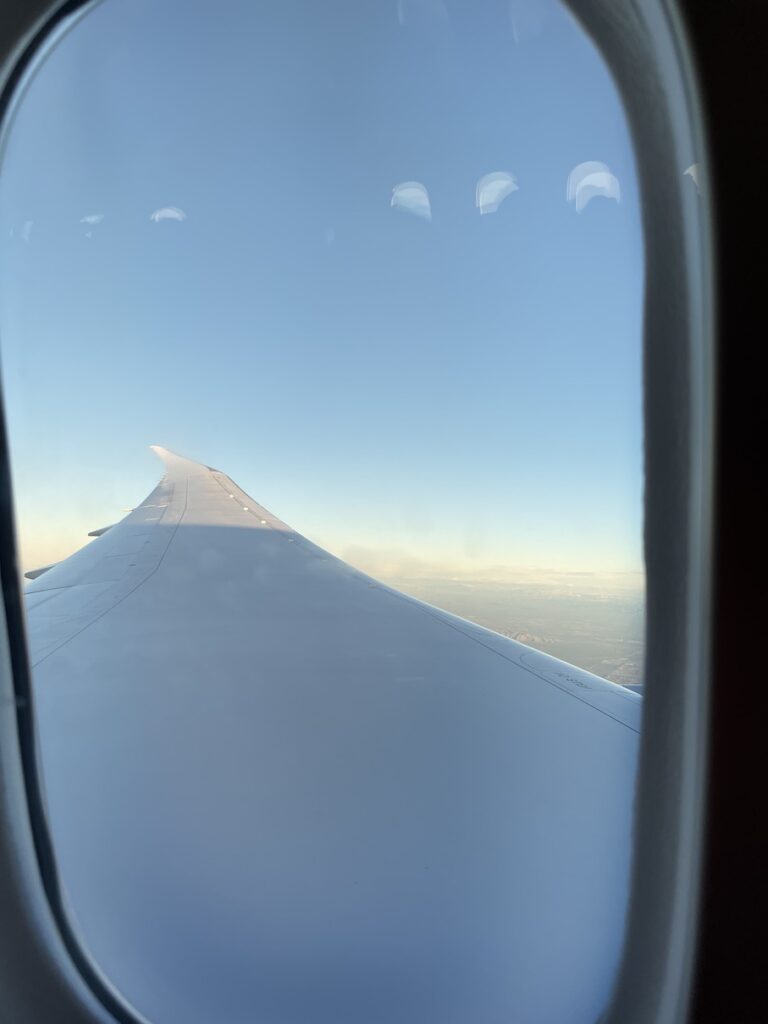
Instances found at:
x=412 y=197
x=591 y=179
x=167 y=213
x=26 y=230
x=493 y=189
x=92 y=218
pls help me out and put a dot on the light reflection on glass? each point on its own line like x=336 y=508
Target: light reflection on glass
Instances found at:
x=493 y=189
x=412 y=197
x=167 y=213
x=591 y=179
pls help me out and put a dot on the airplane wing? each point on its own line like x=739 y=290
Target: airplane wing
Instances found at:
x=282 y=791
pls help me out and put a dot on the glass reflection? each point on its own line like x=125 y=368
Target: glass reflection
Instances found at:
x=412 y=197
x=693 y=173
x=167 y=213
x=492 y=189
x=588 y=180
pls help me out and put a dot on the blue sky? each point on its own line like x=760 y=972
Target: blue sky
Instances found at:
x=463 y=391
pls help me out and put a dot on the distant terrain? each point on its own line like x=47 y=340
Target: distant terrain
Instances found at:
x=594 y=621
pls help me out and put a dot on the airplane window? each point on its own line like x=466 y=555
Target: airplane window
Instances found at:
x=321 y=339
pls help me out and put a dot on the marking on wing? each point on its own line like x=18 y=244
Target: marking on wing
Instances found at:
x=74 y=625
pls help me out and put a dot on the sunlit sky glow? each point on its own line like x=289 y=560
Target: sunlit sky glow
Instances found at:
x=203 y=247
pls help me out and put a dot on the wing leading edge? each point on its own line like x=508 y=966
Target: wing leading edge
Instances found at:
x=281 y=790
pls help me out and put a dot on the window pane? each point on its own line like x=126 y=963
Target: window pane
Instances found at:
x=379 y=264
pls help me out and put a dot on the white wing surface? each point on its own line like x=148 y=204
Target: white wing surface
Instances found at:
x=282 y=792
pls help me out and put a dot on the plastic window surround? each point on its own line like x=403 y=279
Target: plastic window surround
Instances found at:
x=45 y=976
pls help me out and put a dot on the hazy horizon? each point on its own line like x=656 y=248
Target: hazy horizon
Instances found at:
x=591 y=618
